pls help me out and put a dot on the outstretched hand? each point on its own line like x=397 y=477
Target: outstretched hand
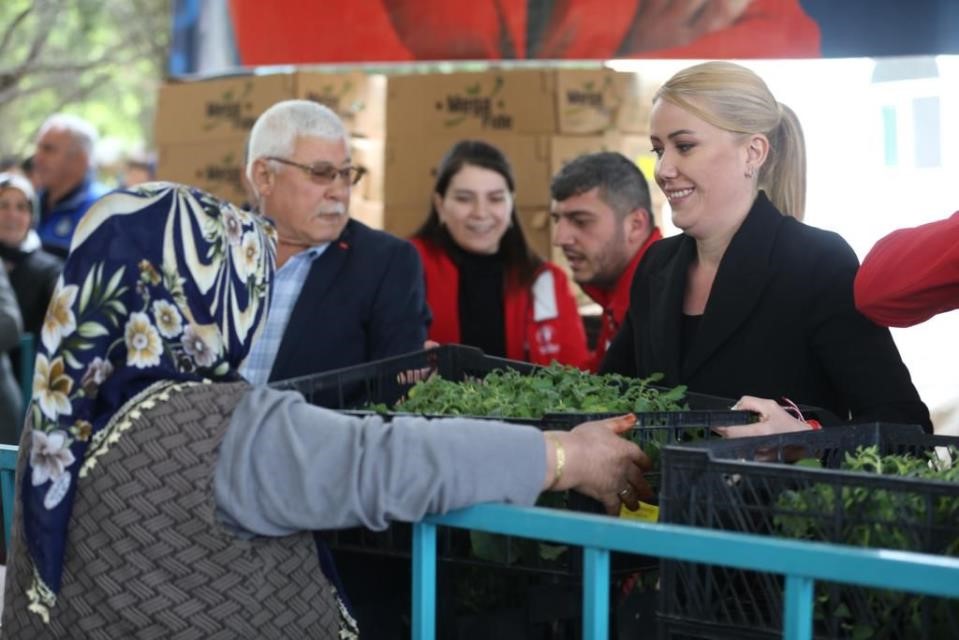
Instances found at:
x=601 y=464
x=773 y=419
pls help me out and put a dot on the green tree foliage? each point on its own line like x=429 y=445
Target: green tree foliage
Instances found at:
x=100 y=59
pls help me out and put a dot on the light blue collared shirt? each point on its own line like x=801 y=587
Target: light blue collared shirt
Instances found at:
x=287 y=284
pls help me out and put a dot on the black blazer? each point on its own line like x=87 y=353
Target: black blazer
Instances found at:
x=363 y=300
x=34 y=279
x=780 y=321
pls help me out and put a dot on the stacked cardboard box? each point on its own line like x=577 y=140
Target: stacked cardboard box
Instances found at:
x=540 y=118
x=202 y=127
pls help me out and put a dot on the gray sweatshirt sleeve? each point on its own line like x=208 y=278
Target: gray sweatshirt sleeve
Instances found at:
x=287 y=466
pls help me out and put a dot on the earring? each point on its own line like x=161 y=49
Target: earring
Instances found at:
x=749 y=171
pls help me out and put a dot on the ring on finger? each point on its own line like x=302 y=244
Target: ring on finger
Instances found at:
x=624 y=492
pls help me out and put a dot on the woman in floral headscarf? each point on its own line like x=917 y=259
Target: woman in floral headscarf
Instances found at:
x=153 y=503
x=164 y=290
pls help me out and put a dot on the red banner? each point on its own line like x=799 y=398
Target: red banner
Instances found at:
x=304 y=31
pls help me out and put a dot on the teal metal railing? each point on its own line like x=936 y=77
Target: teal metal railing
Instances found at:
x=8 y=469
x=802 y=563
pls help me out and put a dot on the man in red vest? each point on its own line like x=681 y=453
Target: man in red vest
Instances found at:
x=603 y=222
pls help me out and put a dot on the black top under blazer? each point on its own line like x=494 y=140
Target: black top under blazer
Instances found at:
x=363 y=300
x=780 y=322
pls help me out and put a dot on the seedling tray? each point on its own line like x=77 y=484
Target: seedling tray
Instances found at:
x=758 y=485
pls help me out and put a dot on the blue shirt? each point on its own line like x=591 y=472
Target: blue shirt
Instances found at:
x=287 y=284
x=58 y=222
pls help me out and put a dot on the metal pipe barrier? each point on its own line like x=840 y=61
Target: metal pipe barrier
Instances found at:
x=802 y=563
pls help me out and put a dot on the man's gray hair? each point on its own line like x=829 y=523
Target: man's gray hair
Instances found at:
x=83 y=133
x=275 y=132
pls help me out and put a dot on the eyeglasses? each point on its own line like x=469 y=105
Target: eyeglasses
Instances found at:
x=325 y=173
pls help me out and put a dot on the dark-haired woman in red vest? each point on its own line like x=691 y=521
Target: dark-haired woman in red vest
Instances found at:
x=485 y=286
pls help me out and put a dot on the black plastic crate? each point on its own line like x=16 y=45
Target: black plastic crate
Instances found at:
x=753 y=485
x=386 y=381
x=354 y=389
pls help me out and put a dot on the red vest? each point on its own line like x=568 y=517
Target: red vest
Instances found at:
x=542 y=321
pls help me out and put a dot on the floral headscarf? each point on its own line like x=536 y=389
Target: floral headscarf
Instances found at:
x=163 y=283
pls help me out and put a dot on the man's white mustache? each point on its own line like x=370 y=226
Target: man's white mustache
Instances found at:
x=334 y=211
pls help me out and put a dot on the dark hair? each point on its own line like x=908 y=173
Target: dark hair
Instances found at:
x=621 y=184
x=518 y=258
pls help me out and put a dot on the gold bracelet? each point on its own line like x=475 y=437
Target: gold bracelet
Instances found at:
x=560 y=458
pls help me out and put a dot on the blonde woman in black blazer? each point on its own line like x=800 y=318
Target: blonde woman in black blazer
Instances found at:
x=749 y=301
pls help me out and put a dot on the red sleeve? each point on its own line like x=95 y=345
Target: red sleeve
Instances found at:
x=911 y=275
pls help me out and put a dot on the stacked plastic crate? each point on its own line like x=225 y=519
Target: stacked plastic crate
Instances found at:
x=815 y=485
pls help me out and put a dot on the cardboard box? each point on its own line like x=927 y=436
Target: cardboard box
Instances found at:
x=636 y=101
x=575 y=101
x=215 y=166
x=566 y=148
x=537 y=227
x=637 y=148
x=191 y=112
x=587 y=100
x=221 y=108
x=358 y=98
x=633 y=146
x=411 y=165
x=369 y=153
x=366 y=211
x=403 y=221
x=469 y=104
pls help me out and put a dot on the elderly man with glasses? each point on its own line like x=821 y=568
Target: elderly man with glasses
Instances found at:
x=343 y=294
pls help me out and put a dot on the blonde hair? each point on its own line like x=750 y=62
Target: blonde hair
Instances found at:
x=734 y=98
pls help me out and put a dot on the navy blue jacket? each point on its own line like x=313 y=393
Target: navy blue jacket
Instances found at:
x=363 y=300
